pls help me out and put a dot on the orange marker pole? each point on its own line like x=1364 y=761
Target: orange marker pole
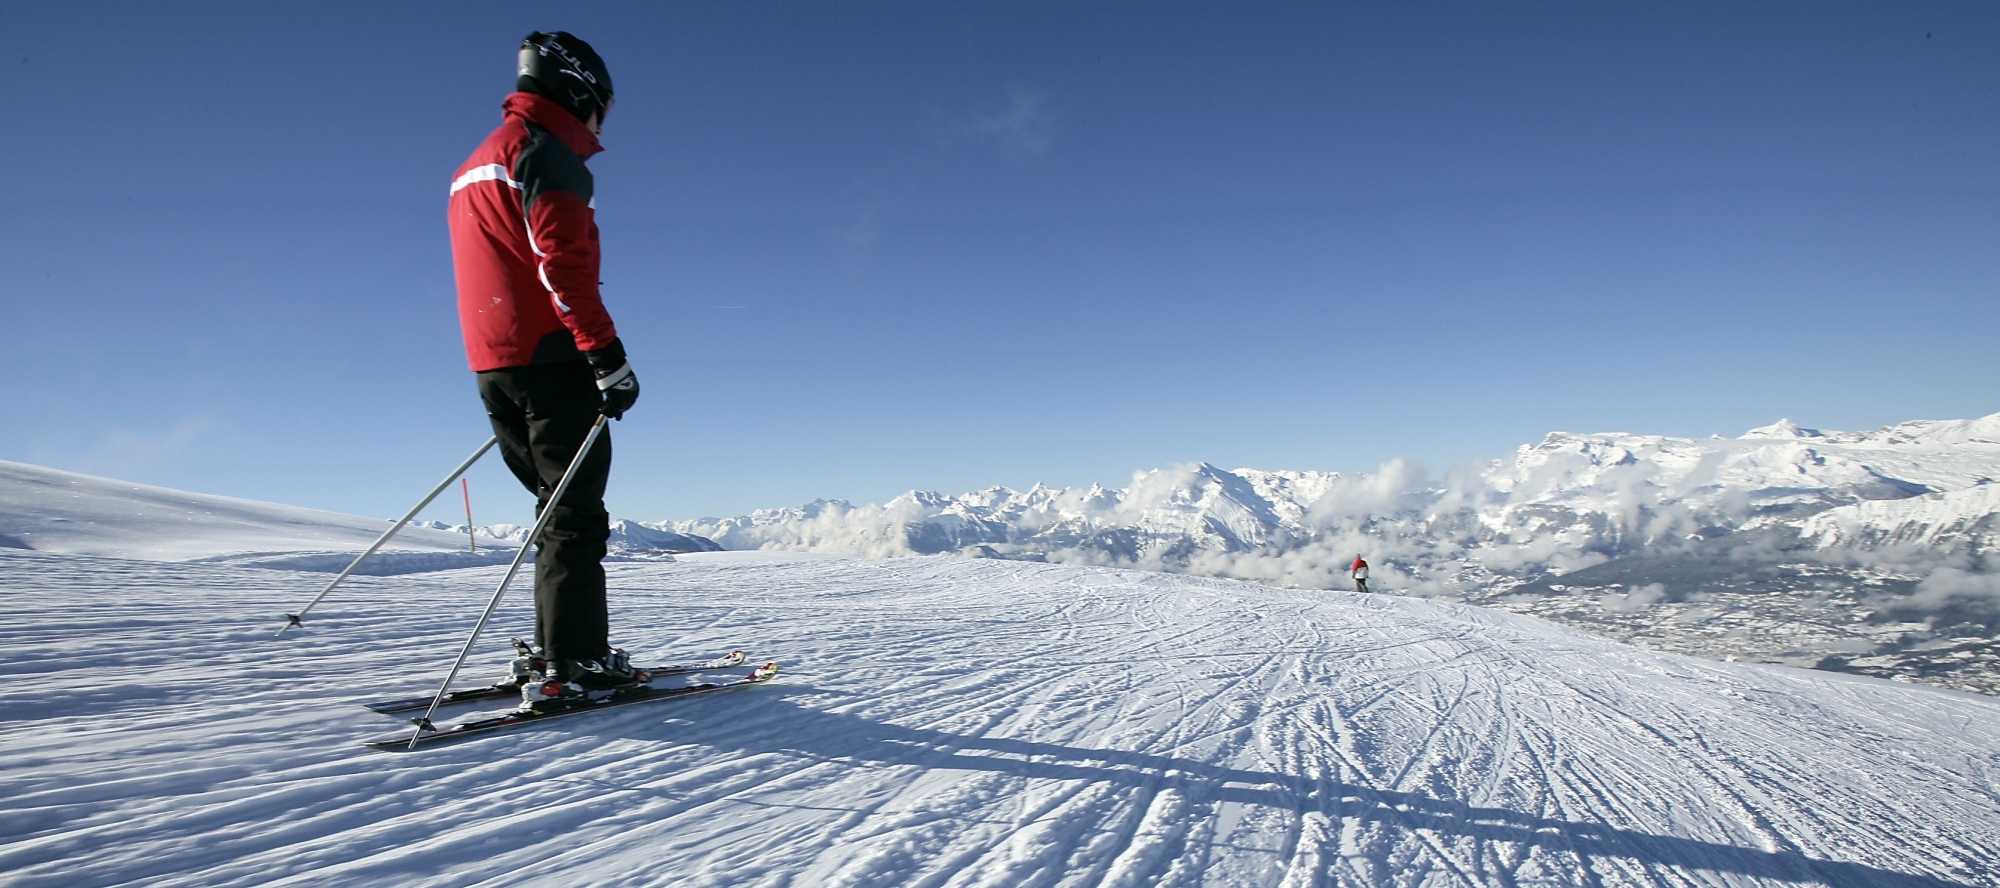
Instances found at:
x=466 y=486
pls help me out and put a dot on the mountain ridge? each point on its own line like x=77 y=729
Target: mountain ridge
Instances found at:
x=1608 y=487
x=1798 y=546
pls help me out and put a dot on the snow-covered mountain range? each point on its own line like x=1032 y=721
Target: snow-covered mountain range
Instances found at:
x=1566 y=503
x=629 y=539
x=1900 y=521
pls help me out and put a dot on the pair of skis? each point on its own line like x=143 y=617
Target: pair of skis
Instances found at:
x=426 y=735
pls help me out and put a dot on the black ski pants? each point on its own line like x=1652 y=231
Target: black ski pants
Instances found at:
x=542 y=412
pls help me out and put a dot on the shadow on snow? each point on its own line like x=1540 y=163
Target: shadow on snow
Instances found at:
x=782 y=723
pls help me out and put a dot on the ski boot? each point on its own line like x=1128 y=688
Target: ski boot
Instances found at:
x=526 y=667
x=561 y=683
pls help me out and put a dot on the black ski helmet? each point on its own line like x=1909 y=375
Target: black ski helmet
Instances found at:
x=559 y=66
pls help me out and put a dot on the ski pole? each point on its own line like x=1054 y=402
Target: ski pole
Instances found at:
x=534 y=533
x=294 y=619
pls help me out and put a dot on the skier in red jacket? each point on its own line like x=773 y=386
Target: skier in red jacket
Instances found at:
x=1359 y=570
x=548 y=359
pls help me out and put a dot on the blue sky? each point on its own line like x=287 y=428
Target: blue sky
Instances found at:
x=857 y=249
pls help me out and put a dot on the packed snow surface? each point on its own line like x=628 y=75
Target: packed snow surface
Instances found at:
x=954 y=722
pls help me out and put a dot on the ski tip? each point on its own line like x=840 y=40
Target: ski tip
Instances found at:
x=764 y=672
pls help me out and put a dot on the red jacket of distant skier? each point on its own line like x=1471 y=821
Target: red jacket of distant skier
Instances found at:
x=524 y=241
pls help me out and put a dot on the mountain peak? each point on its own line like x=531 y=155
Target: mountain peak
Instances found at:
x=1783 y=428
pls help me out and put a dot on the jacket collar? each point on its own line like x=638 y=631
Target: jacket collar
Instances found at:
x=556 y=119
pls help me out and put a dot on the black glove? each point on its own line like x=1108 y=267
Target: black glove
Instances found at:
x=614 y=378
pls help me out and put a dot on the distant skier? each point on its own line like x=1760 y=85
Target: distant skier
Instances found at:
x=1360 y=572
x=548 y=359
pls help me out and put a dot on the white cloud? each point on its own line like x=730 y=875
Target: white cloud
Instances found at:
x=864 y=232
x=1386 y=491
x=1636 y=600
x=125 y=453
x=1023 y=128
x=1947 y=585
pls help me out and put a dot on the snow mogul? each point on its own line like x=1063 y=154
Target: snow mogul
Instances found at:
x=547 y=357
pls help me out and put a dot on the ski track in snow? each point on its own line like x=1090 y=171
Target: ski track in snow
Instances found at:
x=951 y=722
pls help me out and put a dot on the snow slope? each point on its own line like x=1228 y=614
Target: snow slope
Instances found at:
x=48 y=510
x=1939 y=521
x=955 y=722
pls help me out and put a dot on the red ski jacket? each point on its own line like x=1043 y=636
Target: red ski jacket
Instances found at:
x=524 y=241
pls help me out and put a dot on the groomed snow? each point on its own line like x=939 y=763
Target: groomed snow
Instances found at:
x=954 y=722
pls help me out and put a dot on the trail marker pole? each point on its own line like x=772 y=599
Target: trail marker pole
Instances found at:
x=466 y=486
